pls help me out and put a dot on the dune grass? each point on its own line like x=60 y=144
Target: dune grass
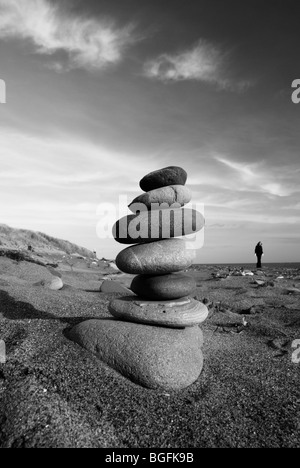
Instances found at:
x=12 y=238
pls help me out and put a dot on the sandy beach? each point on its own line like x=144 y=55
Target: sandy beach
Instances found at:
x=149 y=225
x=53 y=393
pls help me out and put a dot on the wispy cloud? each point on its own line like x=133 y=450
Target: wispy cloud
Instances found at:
x=256 y=177
x=63 y=164
x=59 y=182
x=204 y=62
x=88 y=43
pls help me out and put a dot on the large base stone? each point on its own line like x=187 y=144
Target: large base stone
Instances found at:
x=154 y=357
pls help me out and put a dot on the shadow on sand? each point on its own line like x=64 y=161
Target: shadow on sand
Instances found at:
x=18 y=310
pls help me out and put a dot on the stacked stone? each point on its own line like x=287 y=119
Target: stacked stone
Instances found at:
x=163 y=305
x=154 y=338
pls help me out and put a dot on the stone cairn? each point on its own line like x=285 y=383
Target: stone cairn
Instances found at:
x=155 y=339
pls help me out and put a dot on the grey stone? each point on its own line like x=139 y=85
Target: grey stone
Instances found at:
x=173 y=194
x=150 y=226
x=179 y=313
x=156 y=258
x=171 y=175
x=294 y=291
x=259 y=282
x=154 y=357
x=56 y=284
x=163 y=287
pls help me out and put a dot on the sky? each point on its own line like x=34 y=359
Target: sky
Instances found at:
x=101 y=92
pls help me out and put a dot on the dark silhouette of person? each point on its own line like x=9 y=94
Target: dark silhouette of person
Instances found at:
x=259 y=253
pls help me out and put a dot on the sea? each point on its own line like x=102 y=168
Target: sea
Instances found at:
x=252 y=266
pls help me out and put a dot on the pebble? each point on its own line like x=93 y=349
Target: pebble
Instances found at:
x=173 y=194
x=172 y=286
x=156 y=258
x=171 y=175
x=56 y=284
x=295 y=291
x=150 y=226
x=186 y=312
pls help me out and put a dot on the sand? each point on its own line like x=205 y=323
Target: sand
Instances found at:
x=55 y=394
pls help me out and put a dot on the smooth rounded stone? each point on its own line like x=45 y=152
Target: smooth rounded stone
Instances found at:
x=163 y=287
x=259 y=282
x=184 y=312
x=171 y=175
x=110 y=286
x=56 y=284
x=154 y=357
x=295 y=291
x=156 y=258
x=149 y=226
x=178 y=195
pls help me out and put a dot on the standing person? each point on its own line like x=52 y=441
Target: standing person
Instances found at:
x=259 y=253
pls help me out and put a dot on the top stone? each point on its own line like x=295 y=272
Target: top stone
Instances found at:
x=171 y=175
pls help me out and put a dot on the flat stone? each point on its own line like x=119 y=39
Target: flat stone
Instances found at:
x=150 y=226
x=295 y=291
x=110 y=286
x=171 y=175
x=185 y=312
x=163 y=287
x=154 y=357
x=178 y=195
x=54 y=284
x=156 y=258
x=260 y=282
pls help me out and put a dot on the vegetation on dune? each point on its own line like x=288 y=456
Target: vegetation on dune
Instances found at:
x=14 y=239
x=20 y=256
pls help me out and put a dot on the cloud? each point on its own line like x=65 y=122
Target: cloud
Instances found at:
x=66 y=163
x=59 y=182
x=256 y=177
x=204 y=62
x=87 y=42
